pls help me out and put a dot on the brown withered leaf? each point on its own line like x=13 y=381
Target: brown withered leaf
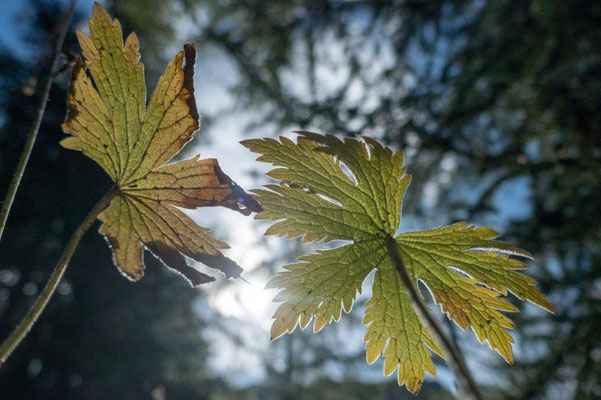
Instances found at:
x=110 y=122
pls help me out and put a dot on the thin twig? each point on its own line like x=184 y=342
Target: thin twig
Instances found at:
x=33 y=133
x=25 y=325
x=466 y=384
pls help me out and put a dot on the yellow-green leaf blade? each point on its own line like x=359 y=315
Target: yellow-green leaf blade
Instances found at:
x=136 y=139
x=89 y=123
x=119 y=78
x=332 y=189
x=131 y=222
x=362 y=204
x=395 y=331
x=298 y=212
x=109 y=122
x=452 y=262
x=170 y=120
x=317 y=172
x=473 y=251
x=320 y=285
x=379 y=173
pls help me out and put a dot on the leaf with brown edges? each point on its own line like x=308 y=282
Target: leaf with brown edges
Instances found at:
x=110 y=122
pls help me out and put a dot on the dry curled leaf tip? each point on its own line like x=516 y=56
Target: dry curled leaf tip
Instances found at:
x=110 y=121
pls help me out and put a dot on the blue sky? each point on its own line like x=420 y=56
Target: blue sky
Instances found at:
x=11 y=11
x=9 y=37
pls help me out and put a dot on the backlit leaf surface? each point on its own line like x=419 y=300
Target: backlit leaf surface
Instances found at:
x=110 y=122
x=352 y=190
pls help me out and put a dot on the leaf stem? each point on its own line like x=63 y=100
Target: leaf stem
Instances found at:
x=16 y=179
x=25 y=325
x=466 y=384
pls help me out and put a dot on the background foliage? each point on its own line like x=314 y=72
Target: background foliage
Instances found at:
x=495 y=103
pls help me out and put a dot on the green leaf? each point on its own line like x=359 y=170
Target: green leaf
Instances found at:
x=109 y=122
x=352 y=190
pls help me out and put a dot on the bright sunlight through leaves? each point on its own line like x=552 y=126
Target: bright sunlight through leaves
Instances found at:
x=352 y=191
x=110 y=122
